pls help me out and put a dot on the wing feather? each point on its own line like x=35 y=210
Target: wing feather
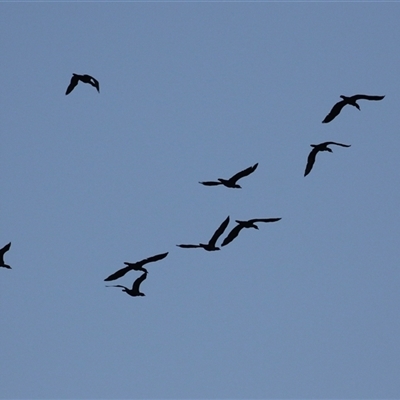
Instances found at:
x=96 y=84
x=310 y=161
x=232 y=234
x=337 y=144
x=157 y=257
x=334 y=112
x=121 y=272
x=72 y=84
x=210 y=183
x=243 y=173
x=366 y=97
x=3 y=251
x=116 y=286
x=219 y=232
x=5 y=248
x=264 y=220
x=138 y=281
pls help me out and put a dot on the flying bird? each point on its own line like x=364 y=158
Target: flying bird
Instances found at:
x=83 y=78
x=231 y=182
x=210 y=246
x=137 y=266
x=316 y=149
x=251 y=223
x=2 y=252
x=348 y=100
x=135 y=287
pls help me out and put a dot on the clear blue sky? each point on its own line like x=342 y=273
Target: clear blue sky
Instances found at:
x=307 y=307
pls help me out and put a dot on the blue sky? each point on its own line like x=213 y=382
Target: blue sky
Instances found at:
x=306 y=307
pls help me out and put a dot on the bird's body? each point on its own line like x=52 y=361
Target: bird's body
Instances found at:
x=251 y=223
x=137 y=266
x=211 y=245
x=134 y=292
x=83 y=78
x=2 y=252
x=316 y=149
x=352 y=101
x=231 y=182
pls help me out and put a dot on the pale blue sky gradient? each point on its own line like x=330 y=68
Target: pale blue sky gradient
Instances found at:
x=307 y=307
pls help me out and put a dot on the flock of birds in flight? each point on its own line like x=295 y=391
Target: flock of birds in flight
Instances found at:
x=229 y=183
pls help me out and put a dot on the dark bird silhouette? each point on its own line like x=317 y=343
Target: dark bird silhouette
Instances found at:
x=135 y=287
x=316 y=149
x=210 y=246
x=137 y=266
x=348 y=100
x=83 y=78
x=251 y=223
x=231 y=182
x=2 y=252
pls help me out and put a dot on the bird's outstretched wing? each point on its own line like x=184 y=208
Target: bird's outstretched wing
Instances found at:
x=95 y=83
x=310 y=160
x=334 y=112
x=117 y=286
x=137 y=266
x=232 y=234
x=243 y=173
x=3 y=251
x=366 y=97
x=121 y=272
x=157 y=257
x=264 y=220
x=219 y=232
x=138 y=281
x=5 y=248
x=337 y=144
x=72 y=84
x=210 y=183
x=188 y=246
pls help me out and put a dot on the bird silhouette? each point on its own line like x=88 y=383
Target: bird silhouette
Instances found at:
x=137 y=266
x=83 y=78
x=251 y=223
x=135 y=287
x=231 y=182
x=316 y=149
x=210 y=246
x=2 y=252
x=348 y=100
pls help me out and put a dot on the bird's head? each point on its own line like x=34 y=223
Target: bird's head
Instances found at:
x=6 y=266
x=237 y=186
x=328 y=149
